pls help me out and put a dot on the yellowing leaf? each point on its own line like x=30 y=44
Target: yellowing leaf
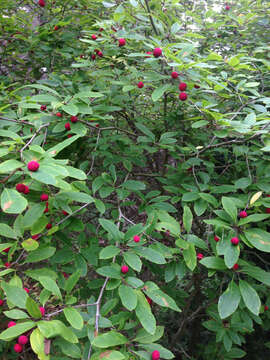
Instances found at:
x=255 y=197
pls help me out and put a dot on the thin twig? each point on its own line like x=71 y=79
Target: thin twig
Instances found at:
x=32 y=138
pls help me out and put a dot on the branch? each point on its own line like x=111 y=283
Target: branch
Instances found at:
x=32 y=138
x=150 y=17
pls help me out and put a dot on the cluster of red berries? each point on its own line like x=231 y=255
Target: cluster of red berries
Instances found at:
x=22 y=188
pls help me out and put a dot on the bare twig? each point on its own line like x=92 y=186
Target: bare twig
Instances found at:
x=32 y=138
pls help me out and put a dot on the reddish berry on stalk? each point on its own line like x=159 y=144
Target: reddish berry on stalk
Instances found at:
x=44 y=197
x=33 y=166
x=100 y=29
x=136 y=238
x=1 y=302
x=124 y=269
x=11 y=323
x=18 y=348
x=48 y=226
x=121 y=42
x=197 y=86
x=148 y=53
x=227 y=7
x=200 y=256
x=243 y=214
x=70 y=135
x=66 y=276
x=58 y=114
x=22 y=340
x=216 y=238
x=64 y=212
x=235 y=267
x=235 y=241
x=42 y=310
x=267 y=210
x=157 y=52
x=93 y=56
x=6 y=250
x=149 y=300
x=67 y=126
x=183 y=96
x=266 y=307
x=73 y=119
x=20 y=188
x=7 y=264
x=174 y=75
x=182 y=86
x=155 y=355
x=94 y=37
x=26 y=190
x=43 y=107
x=140 y=84
x=56 y=27
x=46 y=210
x=41 y=3
x=100 y=54
x=26 y=289
x=35 y=237
x=268 y=195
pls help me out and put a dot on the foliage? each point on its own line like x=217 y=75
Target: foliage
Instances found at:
x=119 y=160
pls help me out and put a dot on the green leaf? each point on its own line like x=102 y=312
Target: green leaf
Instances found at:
x=12 y=202
x=76 y=173
x=72 y=281
x=62 y=145
x=15 y=331
x=253 y=218
x=71 y=109
x=8 y=166
x=187 y=218
x=33 y=214
x=50 y=285
x=73 y=317
x=231 y=255
x=164 y=300
x=230 y=208
x=100 y=206
x=109 y=339
x=144 y=337
x=134 y=230
x=150 y=255
x=111 y=228
x=133 y=185
x=50 y=329
x=144 y=314
x=229 y=301
x=109 y=252
x=158 y=93
x=33 y=308
x=212 y=262
x=257 y=273
x=190 y=257
x=128 y=297
x=17 y=296
x=71 y=350
x=145 y=131
x=133 y=260
x=42 y=253
x=209 y=198
x=37 y=343
x=16 y=314
x=250 y=297
x=7 y=231
x=30 y=244
x=110 y=271
x=41 y=87
x=259 y=238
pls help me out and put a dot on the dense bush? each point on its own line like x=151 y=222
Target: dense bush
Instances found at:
x=134 y=174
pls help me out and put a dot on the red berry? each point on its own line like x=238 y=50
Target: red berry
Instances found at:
x=46 y=210
x=26 y=190
x=26 y=289
x=227 y=7
x=58 y=114
x=183 y=96
x=43 y=107
x=235 y=241
x=121 y=42
x=6 y=250
x=7 y=264
x=149 y=300
x=268 y=195
x=42 y=310
x=243 y=214
x=100 y=54
x=200 y=256
x=64 y=212
x=35 y=237
x=174 y=75
x=235 y=267
x=136 y=238
x=18 y=348
x=20 y=188
x=22 y=340
x=157 y=52
x=94 y=37
x=267 y=210
x=149 y=53
x=66 y=276
x=124 y=269
x=70 y=135
x=44 y=197
x=155 y=355
x=96 y=51
x=266 y=307
x=11 y=323
x=1 y=302
x=182 y=86
x=48 y=226
x=197 y=86
x=67 y=126
x=93 y=57
x=56 y=27
x=216 y=238
x=41 y=3
x=33 y=165
x=100 y=29
x=140 y=84
x=73 y=119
